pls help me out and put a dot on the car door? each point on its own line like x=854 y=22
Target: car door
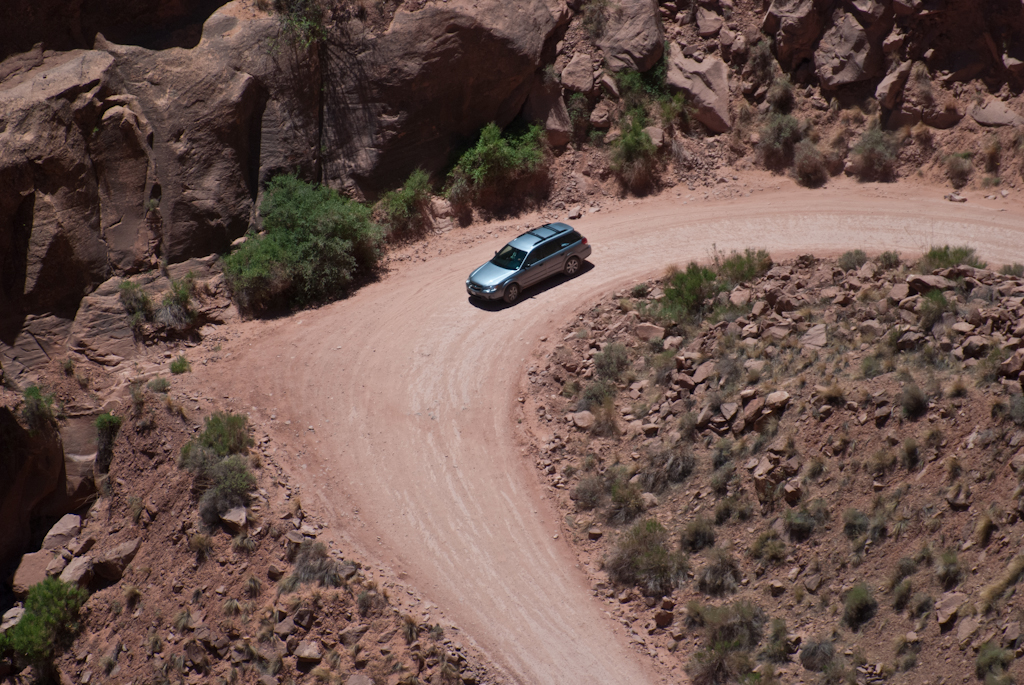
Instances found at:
x=539 y=264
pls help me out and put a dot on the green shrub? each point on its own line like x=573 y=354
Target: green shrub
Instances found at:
x=1014 y=269
x=737 y=626
x=761 y=62
x=875 y=155
x=314 y=565
x=594 y=395
x=799 y=523
x=135 y=300
x=720 y=575
x=403 y=209
x=49 y=624
x=317 y=245
x=855 y=523
x=933 y=305
x=809 y=166
x=859 y=607
x=889 y=260
x=992 y=660
x=37 y=408
x=159 y=384
x=634 y=155
x=901 y=594
x=225 y=434
x=107 y=426
x=231 y=481
x=769 y=547
x=739 y=267
x=301 y=22
x=698 y=534
x=670 y=465
x=494 y=162
x=215 y=457
x=627 y=502
x=946 y=257
x=780 y=95
x=176 y=307
x=779 y=136
x=588 y=492
x=642 y=558
x=687 y=292
x=779 y=646
x=817 y=653
x=948 y=569
x=852 y=259
x=611 y=362
x=959 y=169
x=180 y=365
x=579 y=115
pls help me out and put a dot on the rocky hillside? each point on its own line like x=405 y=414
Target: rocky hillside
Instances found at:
x=193 y=578
x=812 y=467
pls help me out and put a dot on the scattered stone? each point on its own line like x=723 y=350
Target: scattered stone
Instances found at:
x=594 y=533
x=236 y=520
x=648 y=332
x=584 y=420
x=112 y=563
x=309 y=651
x=578 y=74
x=79 y=571
x=948 y=605
x=923 y=284
x=815 y=337
x=63 y=531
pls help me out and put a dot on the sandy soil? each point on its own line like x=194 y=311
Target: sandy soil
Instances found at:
x=402 y=400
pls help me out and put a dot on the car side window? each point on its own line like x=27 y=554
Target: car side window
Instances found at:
x=543 y=252
x=568 y=239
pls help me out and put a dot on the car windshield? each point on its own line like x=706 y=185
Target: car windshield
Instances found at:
x=509 y=258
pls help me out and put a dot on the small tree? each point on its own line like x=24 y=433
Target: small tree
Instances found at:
x=48 y=626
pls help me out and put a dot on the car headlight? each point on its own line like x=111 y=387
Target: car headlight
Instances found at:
x=490 y=288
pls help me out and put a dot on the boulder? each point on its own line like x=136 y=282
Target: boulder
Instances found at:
x=31 y=570
x=11 y=618
x=846 y=55
x=309 y=651
x=796 y=26
x=544 y=106
x=927 y=283
x=359 y=679
x=57 y=565
x=944 y=115
x=976 y=346
x=1012 y=367
x=649 y=331
x=352 y=634
x=815 y=338
x=656 y=134
x=236 y=519
x=584 y=420
x=996 y=113
x=110 y=564
x=633 y=38
x=78 y=571
x=705 y=83
x=578 y=74
x=709 y=22
x=948 y=605
x=891 y=87
x=285 y=628
x=63 y=531
x=777 y=400
x=601 y=116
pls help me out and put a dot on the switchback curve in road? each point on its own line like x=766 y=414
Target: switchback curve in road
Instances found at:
x=412 y=394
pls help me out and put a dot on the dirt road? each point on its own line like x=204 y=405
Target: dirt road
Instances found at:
x=411 y=393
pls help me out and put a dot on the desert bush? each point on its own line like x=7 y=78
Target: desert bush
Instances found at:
x=740 y=267
x=48 y=626
x=859 y=606
x=595 y=17
x=933 y=305
x=611 y=362
x=642 y=557
x=810 y=168
x=780 y=94
x=313 y=564
x=720 y=574
x=496 y=161
x=698 y=534
x=769 y=547
x=875 y=156
x=201 y=545
x=1014 y=269
x=301 y=22
x=901 y=593
x=687 y=292
x=913 y=401
x=905 y=567
x=992 y=660
x=852 y=259
x=588 y=492
x=402 y=210
x=959 y=169
x=945 y=257
x=160 y=385
x=634 y=155
x=817 y=653
x=1007 y=579
x=175 y=309
x=626 y=500
x=669 y=465
x=594 y=394
x=180 y=365
x=889 y=260
x=37 y=408
x=779 y=136
x=855 y=523
x=948 y=569
x=224 y=433
x=799 y=523
x=761 y=62
x=231 y=483
x=317 y=245
x=779 y=646
x=136 y=303
x=920 y=604
x=107 y=426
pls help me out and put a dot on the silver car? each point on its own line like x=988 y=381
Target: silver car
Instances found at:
x=532 y=257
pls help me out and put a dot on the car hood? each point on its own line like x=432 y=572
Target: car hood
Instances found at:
x=489 y=274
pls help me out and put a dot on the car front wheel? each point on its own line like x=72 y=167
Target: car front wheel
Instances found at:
x=572 y=266
x=512 y=293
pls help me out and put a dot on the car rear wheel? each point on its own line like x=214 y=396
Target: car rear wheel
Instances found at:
x=572 y=266
x=512 y=293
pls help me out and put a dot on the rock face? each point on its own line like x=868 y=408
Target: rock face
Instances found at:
x=796 y=26
x=633 y=38
x=891 y=87
x=707 y=85
x=846 y=54
x=33 y=468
